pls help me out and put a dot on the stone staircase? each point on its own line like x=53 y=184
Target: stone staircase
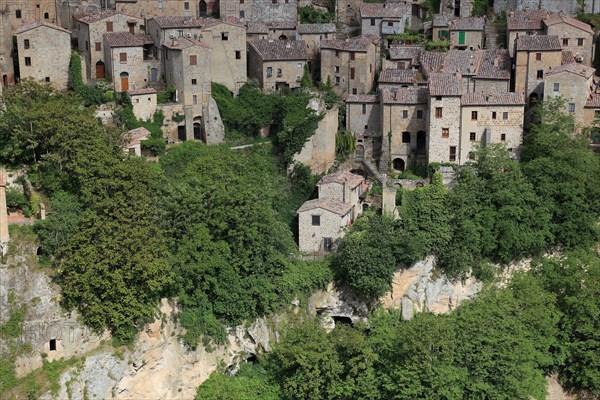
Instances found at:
x=491 y=35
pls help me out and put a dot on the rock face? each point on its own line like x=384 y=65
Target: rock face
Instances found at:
x=418 y=289
x=337 y=303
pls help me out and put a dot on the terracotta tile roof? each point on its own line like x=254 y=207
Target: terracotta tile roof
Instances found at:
x=306 y=29
x=593 y=101
x=123 y=39
x=256 y=27
x=348 y=178
x=466 y=62
x=361 y=98
x=410 y=95
x=567 y=57
x=468 y=24
x=526 y=20
x=290 y=25
x=495 y=64
x=183 y=43
x=95 y=17
x=441 y=20
x=498 y=99
x=538 y=43
x=135 y=136
x=142 y=91
x=334 y=206
x=398 y=76
x=444 y=84
x=554 y=19
x=177 y=22
x=375 y=39
x=36 y=24
x=577 y=69
x=209 y=22
x=280 y=49
x=405 y=53
x=383 y=10
x=359 y=43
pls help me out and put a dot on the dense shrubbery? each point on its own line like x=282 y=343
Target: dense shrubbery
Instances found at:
x=310 y=15
x=91 y=95
x=156 y=142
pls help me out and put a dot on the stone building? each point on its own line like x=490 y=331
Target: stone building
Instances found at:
x=144 y=103
x=490 y=118
x=363 y=120
x=187 y=68
x=345 y=187
x=394 y=78
x=384 y=18
x=7 y=71
x=574 y=36
x=312 y=35
x=44 y=53
x=350 y=65
x=404 y=127
x=533 y=56
x=277 y=64
x=152 y=8
x=348 y=12
x=256 y=31
x=523 y=23
x=90 y=37
x=320 y=223
x=404 y=57
x=461 y=33
x=260 y=10
x=568 y=7
x=124 y=59
x=575 y=84
x=134 y=139
x=24 y=11
x=493 y=72
x=444 y=117
x=4 y=236
x=456 y=8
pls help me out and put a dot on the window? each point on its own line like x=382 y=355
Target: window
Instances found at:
x=47 y=79
x=193 y=60
x=238 y=55
x=372 y=21
x=438 y=112
x=186 y=5
x=337 y=79
x=565 y=42
x=87 y=45
x=505 y=115
x=503 y=137
x=242 y=13
x=28 y=61
x=299 y=65
x=194 y=81
x=354 y=91
x=123 y=57
x=46 y=15
x=557 y=87
x=352 y=73
x=195 y=99
x=352 y=56
x=279 y=72
x=452 y=153
x=26 y=43
x=405 y=137
x=472 y=136
x=109 y=26
x=98 y=46
x=269 y=71
x=18 y=14
x=366 y=127
x=540 y=74
x=337 y=69
x=390 y=24
x=404 y=114
x=224 y=35
x=337 y=53
x=538 y=56
x=327 y=244
x=316 y=220
x=493 y=114
x=274 y=1
x=571 y=107
x=419 y=114
x=241 y=1
x=364 y=108
x=474 y=115
x=580 y=42
x=445 y=132
x=438 y=98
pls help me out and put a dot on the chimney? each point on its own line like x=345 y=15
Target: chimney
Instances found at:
x=4 y=237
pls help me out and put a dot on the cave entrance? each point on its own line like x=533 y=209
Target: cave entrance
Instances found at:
x=342 y=320
x=52 y=344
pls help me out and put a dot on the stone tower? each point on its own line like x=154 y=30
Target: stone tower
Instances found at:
x=3 y=214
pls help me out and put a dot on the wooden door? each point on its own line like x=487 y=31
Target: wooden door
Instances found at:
x=100 y=71
x=124 y=83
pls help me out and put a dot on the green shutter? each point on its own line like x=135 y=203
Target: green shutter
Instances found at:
x=461 y=37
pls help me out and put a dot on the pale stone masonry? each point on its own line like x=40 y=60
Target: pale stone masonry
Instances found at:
x=24 y=11
x=384 y=18
x=363 y=120
x=345 y=187
x=90 y=37
x=4 y=236
x=124 y=59
x=534 y=56
x=461 y=33
x=260 y=10
x=277 y=64
x=312 y=35
x=350 y=65
x=444 y=118
x=7 y=71
x=44 y=53
x=150 y=8
x=144 y=103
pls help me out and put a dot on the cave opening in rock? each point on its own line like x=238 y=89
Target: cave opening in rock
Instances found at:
x=252 y=359
x=52 y=344
x=342 y=320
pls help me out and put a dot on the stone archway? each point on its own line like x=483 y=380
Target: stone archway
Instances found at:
x=100 y=70
x=398 y=164
x=199 y=133
x=202 y=8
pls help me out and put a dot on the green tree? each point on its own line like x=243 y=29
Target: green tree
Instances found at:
x=60 y=225
x=249 y=383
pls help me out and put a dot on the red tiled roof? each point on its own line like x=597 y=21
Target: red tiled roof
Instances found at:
x=441 y=20
x=361 y=98
x=95 y=17
x=468 y=24
x=280 y=49
x=444 y=84
x=577 y=69
x=554 y=19
x=177 y=22
x=526 y=20
x=538 y=43
x=256 y=27
x=498 y=99
x=36 y=24
x=593 y=101
x=410 y=95
x=383 y=10
x=567 y=57
x=123 y=39
x=334 y=206
x=495 y=64
x=359 y=43
x=398 y=76
x=405 y=53
x=352 y=180
x=135 y=136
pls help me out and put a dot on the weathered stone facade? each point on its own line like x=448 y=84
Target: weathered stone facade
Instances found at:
x=152 y=8
x=363 y=120
x=461 y=33
x=444 y=118
x=345 y=187
x=7 y=72
x=384 y=18
x=457 y=8
x=44 y=53
x=144 y=103
x=568 y=7
x=277 y=64
x=574 y=36
x=260 y=10
x=4 y=236
x=312 y=35
x=90 y=37
x=534 y=56
x=24 y=11
x=320 y=223
x=124 y=59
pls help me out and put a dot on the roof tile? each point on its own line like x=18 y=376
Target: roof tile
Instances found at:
x=307 y=29
x=444 y=84
x=538 y=43
x=383 y=10
x=410 y=95
x=280 y=49
x=498 y=99
x=334 y=206
x=123 y=39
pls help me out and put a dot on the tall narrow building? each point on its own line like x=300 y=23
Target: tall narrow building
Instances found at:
x=3 y=214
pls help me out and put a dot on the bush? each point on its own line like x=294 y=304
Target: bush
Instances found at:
x=15 y=198
x=166 y=96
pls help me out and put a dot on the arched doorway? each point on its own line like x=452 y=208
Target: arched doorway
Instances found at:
x=100 y=70
x=533 y=99
x=421 y=142
x=202 y=8
x=398 y=164
x=282 y=37
x=124 y=81
x=360 y=151
x=199 y=133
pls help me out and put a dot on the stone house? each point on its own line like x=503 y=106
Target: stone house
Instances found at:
x=568 y=7
x=394 y=78
x=456 y=8
x=281 y=30
x=134 y=139
x=144 y=103
x=345 y=187
x=256 y=31
x=187 y=69
x=493 y=72
x=404 y=57
x=90 y=37
x=404 y=127
x=7 y=70
x=320 y=223
x=440 y=27
x=312 y=35
x=260 y=10
x=461 y=33
x=185 y=8
x=363 y=120
x=384 y=18
x=25 y=11
x=533 y=56
x=44 y=53
x=444 y=117
x=124 y=59
x=523 y=23
x=277 y=64
x=574 y=36
x=491 y=118
x=350 y=65
x=574 y=83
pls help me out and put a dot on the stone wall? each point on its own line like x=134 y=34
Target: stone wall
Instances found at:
x=568 y=7
x=398 y=119
x=573 y=89
x=144 y=105
x=338 y=66
x=363 y=119
x=332 y=225
x=473 y=40
x=526 y=67
x=7 y=73
x=21 y=11
x=572 y=34
x=170 y=127
x=49 y=53
x=228 y=56
x=260 y=10
x=132 y=67
x=491 y=86
x=438 y=147
x=288 y=71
